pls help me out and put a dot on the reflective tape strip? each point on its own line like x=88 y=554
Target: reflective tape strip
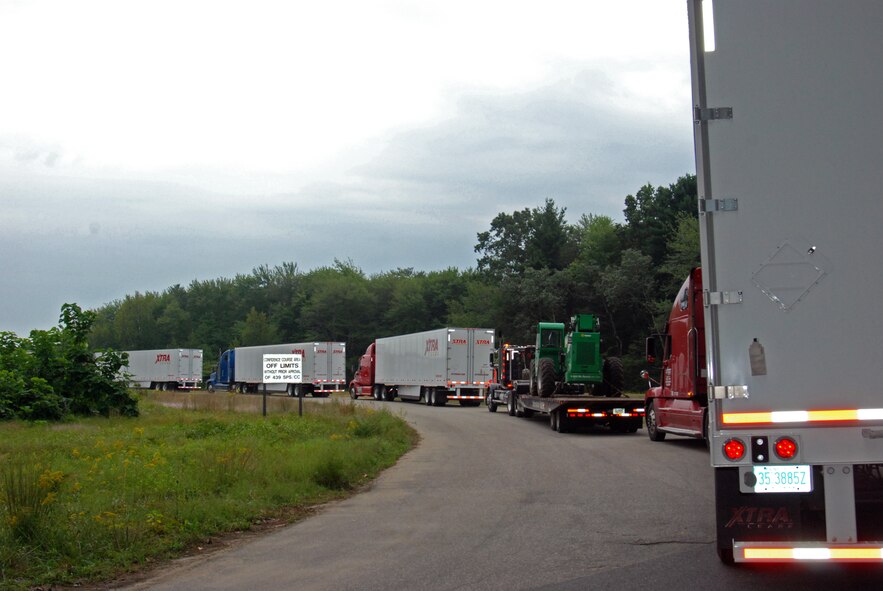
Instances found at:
x=873 y=553
x=802 y=416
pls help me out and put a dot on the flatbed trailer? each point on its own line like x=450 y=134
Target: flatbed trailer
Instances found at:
x=570 y=413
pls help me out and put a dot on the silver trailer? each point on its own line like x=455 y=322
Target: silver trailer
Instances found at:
x=788 y=130
x=165 y=369
x=324 y=368
x=435 y=366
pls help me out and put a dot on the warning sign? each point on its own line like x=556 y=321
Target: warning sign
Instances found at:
x=283 y=369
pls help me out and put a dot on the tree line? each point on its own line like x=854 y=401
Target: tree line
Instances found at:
x=532 y=265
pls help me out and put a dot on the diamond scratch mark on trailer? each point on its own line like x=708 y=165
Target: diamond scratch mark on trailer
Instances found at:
x=790 y=273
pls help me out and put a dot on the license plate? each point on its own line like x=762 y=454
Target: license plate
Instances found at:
x=773 y=479
x=619 y=411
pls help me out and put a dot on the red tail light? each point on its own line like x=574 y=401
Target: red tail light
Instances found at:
x=734 y=449
x=786 y=448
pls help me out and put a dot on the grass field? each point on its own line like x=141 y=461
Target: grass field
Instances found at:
x=88 y=500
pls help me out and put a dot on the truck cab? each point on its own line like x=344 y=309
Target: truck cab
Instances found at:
x=511 y=365
x=678 y=403
x=362 y=383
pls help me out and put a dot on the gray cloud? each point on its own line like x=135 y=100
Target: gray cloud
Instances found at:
x=419 y=204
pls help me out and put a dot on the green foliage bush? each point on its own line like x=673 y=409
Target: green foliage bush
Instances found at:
x=53 y=373
x=87 y=499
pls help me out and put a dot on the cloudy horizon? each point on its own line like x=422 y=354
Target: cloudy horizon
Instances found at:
x=132 y=165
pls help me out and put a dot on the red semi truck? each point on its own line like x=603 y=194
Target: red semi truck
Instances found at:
x=678 y=403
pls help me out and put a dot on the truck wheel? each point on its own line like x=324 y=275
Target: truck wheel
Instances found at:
x=354 y=393
x=653 y=431
x=439 y=398
x=510 y=404
x=726 y=556
x=389 y=394
x=554 y=419
x=614 y=376
x=377 y=392
x=491 y=405
x=427 y=397
x=546 y=384
x=210 y=387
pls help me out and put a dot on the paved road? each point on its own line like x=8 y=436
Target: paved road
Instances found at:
x=488 y=501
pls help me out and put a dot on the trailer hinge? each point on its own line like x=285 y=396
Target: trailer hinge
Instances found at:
x=730 y=392
x=713 y=205
x=710 y=114
x=717 y=298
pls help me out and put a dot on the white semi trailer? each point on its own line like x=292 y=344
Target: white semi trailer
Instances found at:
x=165 y=369
x=434 y=366
x=788 y=130
x=323 y=368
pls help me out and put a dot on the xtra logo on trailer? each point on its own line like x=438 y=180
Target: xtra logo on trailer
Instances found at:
x=298 y=352
x=483 y=342
x=458 y=341
x=431 y=346
x=163 y=358
x=761 y=518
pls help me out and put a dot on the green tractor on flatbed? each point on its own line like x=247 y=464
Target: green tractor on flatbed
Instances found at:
x=571 y=363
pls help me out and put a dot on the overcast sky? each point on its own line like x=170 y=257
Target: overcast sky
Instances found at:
x=149 y=143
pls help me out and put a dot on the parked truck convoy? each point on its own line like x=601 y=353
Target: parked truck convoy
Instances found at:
x=788 y=152
x=323 y=369
x=432 y=366
x=571 y=382
x=164 y=369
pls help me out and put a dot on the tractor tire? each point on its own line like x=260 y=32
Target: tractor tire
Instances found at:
x=510 y=404
x=614 y=377
x=546 y=384
x=354 y=392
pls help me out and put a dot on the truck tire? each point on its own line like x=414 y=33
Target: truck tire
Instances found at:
x=554 y=419
x=489 y=400
x=210 y=387
x=614 y=376
x=389 y=394
x=439 y=398
x=653 y=431
x=427 y=396
x=510 y=404
x=546 y=384
x=377 y=392
x=354 y=393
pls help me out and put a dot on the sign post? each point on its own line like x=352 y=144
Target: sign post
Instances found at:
x=282 y=369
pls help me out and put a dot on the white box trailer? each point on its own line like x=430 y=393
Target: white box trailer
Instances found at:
x=324 y=368
x=437 y=365
x=788 y=130
x=165 y=369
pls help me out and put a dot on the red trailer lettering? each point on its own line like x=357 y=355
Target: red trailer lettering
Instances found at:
x=431 y=346
x=483 y=342
x=163 y=358
x=458 y=341
x=760 y=518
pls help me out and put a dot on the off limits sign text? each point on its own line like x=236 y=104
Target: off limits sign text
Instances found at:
x=283 y=369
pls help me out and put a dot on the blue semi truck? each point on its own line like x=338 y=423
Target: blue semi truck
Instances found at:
x=241 y=369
